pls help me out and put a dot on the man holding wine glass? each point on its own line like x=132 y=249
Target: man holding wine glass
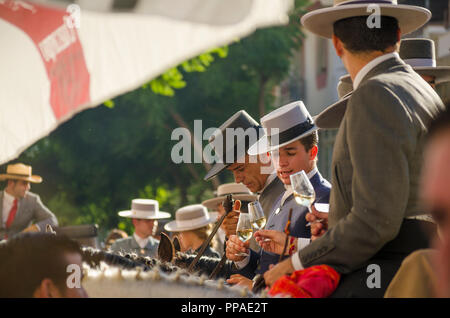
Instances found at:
x=291 y=139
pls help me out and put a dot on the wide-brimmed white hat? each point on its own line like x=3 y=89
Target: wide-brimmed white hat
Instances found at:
x=331 y=117
x=144 y=209
x=283 y=126
x=190 y=217
x=19 y=171
x=321 y=21
x=238 y=190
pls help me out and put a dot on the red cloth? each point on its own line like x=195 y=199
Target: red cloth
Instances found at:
x=12 y=214
x=318 y=281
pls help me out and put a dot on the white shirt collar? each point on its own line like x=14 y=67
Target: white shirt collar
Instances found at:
x=142 y=242
x=8 y=197
x=369 y=66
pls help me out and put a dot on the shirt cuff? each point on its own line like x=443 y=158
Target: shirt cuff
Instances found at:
x=302 y=243
x=296 y=263
x=243 y=263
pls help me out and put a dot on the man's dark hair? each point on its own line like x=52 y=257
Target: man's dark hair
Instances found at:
x=310 y=141
x=358 y=37
x=441 y=122
x=28 y=258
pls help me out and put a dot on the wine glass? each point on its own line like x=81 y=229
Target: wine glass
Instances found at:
x=304 y=193
x=244 y=230
x=257 y=217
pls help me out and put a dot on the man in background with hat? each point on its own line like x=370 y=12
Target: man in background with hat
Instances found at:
x=144 y=214
x=378 y=150
x=19 y=207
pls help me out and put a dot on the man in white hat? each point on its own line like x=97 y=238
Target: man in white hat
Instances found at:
x=239 y=192
x=19 y=207
x=292 y=140
x=144 y=214
x=377 y=155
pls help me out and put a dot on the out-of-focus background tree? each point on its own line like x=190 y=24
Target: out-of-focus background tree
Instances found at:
x=97 y=162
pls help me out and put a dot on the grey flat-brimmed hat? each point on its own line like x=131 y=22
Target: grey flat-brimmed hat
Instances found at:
x=144 y=209
x=321 y=21
x=189 y=218
x=231 y=141
x=420 y=54
x=283 y=126
x=331 y=117
x=238 y=190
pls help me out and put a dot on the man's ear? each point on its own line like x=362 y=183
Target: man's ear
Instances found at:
x=313 y=152
x=47 y=289
x=338 y=45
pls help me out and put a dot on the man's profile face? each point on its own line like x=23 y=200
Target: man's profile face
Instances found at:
x=20 y=188
x=290 y=159
x=249 y=174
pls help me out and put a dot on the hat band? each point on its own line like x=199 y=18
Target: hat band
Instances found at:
x=191 y=222
x=152 y=212
x=19 y=175
x=291 y=133
x=421 y=62
x=366 y=2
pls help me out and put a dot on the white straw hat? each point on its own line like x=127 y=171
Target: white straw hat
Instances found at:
x=144 y=209
x=321 y=21
x=238 y=190
x=190 y=217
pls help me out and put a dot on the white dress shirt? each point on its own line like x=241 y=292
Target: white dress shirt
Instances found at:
x=142 y=242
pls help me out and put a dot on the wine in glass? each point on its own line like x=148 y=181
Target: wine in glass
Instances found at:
x=257 y=216
x=244 y=230
x=304 y=193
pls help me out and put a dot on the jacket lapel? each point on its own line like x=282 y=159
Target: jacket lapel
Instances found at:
x=383 y=67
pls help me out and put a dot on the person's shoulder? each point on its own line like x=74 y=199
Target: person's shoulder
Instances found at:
x=31 y=197
x=122 y=241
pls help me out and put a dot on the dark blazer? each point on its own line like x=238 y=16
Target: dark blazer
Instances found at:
x=259 y=262
x=376 y=166
x=129 y=245
x=30 y=209
x=270 y=194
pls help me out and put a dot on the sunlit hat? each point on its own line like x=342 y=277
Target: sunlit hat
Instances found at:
x=190 y=217
x=238 y=190
x=19 y=171
x=144 y=209
x=321 y=21
x=282 y=126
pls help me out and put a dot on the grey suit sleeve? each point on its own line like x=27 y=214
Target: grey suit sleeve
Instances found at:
x=380 y=136
x=43 y=216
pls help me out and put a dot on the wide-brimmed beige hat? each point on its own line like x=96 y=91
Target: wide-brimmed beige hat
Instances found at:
x=190 y=217
x=19 y=171
x=321 y=21
x=238 y=190
x=144 y=209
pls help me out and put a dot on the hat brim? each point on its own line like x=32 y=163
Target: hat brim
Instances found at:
x=262 y=145
x=215 y=170
x=33 y=178
x=440 y=73
x=212 y=203
x=331 y=117
x=157 y=216
x=321 y=21
x=172 y=225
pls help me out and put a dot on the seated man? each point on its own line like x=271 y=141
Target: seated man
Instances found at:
x=295 y=150
x=144 y=214
x=19 y=207
x=41 y=265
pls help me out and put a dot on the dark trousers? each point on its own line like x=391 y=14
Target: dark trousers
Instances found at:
x=413 y=235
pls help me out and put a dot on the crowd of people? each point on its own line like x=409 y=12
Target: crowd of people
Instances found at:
x=389 y=202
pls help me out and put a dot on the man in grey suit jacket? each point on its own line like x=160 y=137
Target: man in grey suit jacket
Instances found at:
x=144 y=214
x=374 y=202
x=19 y=208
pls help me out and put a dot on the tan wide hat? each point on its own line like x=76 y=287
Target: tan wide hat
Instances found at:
x=189 y=218
x=321 y=21
x=238 y=190
x=144 y=209
x=19 y=171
